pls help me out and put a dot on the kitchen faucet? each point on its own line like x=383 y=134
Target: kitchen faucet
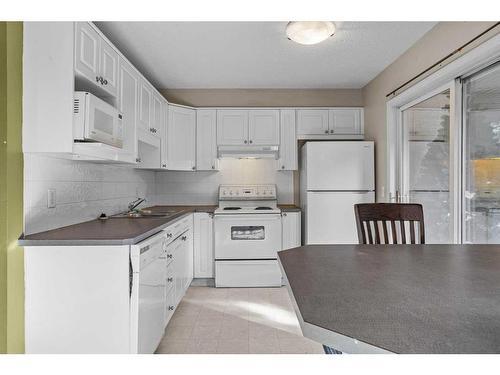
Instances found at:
x=133 y=205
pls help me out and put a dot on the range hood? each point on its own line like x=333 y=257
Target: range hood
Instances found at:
x=240 y=152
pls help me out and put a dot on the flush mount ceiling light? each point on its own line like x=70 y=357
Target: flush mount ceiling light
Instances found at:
x=309 y=32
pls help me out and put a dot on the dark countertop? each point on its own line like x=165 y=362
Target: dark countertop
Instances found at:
x=113 y=231
x=401 y=298
x=289 y=208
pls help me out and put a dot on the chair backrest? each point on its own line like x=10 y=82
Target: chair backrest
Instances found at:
x=389 y=223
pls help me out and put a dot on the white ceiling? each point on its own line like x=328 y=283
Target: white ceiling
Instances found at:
x=258 y=54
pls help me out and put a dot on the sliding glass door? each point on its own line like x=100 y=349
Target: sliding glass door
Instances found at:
x=425 y=163
x=481 y=157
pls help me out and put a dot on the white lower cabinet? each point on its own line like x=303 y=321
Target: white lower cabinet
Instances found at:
x=203 y=245
x=290 y=230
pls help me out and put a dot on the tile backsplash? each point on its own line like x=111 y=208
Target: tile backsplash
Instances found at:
x=202 y=187
x=83 y=190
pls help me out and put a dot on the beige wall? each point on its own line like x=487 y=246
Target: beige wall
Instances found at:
x=440 y=41
x=265 y=97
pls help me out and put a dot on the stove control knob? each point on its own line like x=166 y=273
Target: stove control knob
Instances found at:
x=230 y=193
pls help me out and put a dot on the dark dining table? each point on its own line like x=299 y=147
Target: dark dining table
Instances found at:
x=397 y=298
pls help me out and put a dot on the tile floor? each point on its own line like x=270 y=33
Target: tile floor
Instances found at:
x=235 y=320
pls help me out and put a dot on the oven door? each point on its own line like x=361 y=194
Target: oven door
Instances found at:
x=251 y=236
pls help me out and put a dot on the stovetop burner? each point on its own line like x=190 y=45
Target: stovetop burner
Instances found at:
x=263 y=208
x=232 y=208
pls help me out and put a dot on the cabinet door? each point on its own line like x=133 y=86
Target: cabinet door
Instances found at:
x=203 y=246
x=181 y=128
x=87 y=45
x=264 y=127
x=144 y=106
x=129 y=86
x=290 y=229
x=187 y=253
x=156 y=115
x=108 y=68
x=288 y=141
x=232 y=127
x=345 y=121
x=206 y=140
x=312 y=121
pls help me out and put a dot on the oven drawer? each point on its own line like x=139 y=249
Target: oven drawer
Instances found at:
x=247 y=273
x=252 y=236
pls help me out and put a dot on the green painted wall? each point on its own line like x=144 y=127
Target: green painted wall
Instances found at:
x=11 y=189
x=3 y=189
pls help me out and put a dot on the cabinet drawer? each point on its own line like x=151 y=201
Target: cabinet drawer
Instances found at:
x=170 y=277
x=175 y=230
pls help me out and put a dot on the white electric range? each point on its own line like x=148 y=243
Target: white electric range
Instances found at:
x=247 y=236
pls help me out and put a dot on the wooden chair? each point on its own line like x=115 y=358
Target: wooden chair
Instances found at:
x=372 y=221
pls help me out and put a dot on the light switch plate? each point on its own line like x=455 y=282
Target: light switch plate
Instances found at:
x=51 y=198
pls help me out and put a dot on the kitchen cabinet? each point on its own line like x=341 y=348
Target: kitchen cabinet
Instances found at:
x=206 y=140
x=258 y=127
x=290 y=230
x=203 y=245
x=129 y=87
x=145 y=99
x=232 y=127
x=95 y=59
x=156 y=114
x=148 y=153
x=264 y=127
x=330 y=123
x=345 y=121
x=288 y=141
x=181 y=141
x=312 y=121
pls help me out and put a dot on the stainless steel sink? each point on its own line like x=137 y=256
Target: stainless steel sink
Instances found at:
x=143 y=215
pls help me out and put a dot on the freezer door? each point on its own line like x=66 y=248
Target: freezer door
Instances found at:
x=330 y=217
x=344 y=166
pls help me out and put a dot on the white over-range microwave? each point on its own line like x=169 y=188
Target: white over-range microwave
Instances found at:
x=95 y=120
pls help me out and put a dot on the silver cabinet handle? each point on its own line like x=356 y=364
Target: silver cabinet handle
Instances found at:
x=170 y=279
x=284 y=214
x=105 y=82
x=193 y=168
x=213 y=166
x=326 y=131
x=164 y=165
x=251 y=141
x=170 y=308
x=97 y=78
x=332 y=131
x=169 y=256
x=137 y=160
x=184 y=238
x=282 y=167
x=245 y=141
x=169 y=235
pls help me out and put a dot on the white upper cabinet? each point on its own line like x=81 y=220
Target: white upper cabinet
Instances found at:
x=129 y=87
x=87 y=43
x=206 y=140
x=345 y=121
x=232 y=127
x=156 y=115
x=288 y=141
x=108 y=68
x=264 y=127
x=145 y=97
x=181 y=130
x=312 y=121
x=341 y=123
x=239 y=127
x=95 y=59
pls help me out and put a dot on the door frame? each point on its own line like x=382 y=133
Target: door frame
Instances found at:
x=448 y=76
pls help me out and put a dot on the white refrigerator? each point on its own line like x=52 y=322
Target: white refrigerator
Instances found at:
x=334 y=175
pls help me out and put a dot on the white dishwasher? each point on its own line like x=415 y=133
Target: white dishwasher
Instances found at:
x=151 y=293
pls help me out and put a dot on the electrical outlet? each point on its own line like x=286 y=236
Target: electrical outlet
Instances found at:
x=51 y=198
